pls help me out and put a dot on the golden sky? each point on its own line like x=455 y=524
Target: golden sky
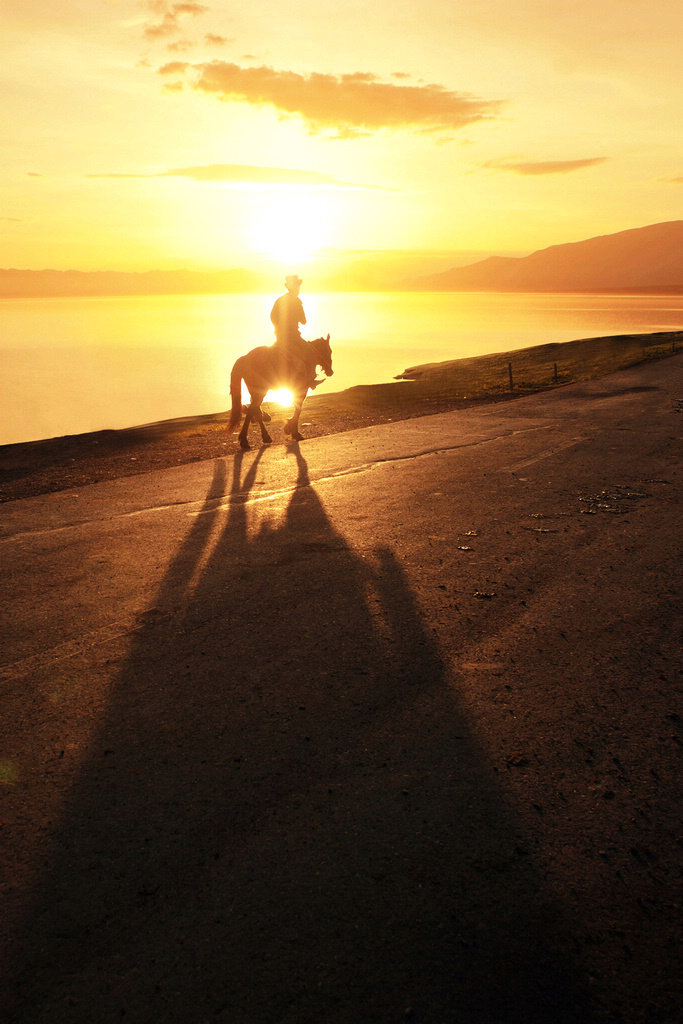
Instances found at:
x=144 y=134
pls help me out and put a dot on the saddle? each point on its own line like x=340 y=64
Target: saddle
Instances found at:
x=290 y=365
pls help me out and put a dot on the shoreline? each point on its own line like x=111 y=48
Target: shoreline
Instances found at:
x=31 y=468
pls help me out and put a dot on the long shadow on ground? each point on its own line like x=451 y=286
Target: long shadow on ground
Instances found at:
x=285 y=817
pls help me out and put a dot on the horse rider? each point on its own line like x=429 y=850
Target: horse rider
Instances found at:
x=286 y=315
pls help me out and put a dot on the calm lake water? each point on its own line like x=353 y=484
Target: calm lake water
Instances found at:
x=75 y=365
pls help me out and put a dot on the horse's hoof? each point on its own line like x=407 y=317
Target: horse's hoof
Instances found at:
x=267 y=439
x=244 y=444
x=298 y=437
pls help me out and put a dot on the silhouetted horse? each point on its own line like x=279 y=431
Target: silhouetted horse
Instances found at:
x=262 y=370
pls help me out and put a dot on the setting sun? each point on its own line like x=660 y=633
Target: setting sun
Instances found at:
x=283 y=139
x=282 y=397
x=291 y=224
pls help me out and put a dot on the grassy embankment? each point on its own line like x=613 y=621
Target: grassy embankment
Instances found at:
x=431 y=386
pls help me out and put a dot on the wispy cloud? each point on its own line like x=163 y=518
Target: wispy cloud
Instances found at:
x=540 y=167
x=251 y=174
x=672 y=181
x=351 y=104
x=169 y=17
x=179 y=46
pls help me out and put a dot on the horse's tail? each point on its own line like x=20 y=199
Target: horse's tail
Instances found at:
x=236 y=396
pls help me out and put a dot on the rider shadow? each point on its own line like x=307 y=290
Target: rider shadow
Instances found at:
x=285 y=816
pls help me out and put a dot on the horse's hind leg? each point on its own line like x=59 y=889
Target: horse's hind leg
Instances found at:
x=254 y=414
x=244 y=443
x=258 y=415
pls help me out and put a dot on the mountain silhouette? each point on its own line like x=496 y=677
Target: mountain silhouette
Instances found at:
x=640 y=258
x=56 y=283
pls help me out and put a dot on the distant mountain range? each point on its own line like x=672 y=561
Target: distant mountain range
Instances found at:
x=649 y=259
x=58 y=283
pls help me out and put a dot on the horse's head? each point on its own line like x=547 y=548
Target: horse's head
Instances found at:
x=323 y=354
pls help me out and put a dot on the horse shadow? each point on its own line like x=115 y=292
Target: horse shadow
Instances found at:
x=285 y=816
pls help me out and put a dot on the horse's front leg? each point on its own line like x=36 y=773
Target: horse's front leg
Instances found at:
x=292 y=425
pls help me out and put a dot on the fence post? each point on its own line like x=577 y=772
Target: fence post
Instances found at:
x=555 y=373
x=510 y=376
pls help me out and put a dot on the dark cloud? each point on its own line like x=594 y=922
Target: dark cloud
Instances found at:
x=540 y=167
x=352 y=104
x=248 y=174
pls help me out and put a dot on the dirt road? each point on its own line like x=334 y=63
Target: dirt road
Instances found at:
x=381 y=727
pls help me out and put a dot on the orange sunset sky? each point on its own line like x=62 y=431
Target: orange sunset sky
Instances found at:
x=148 y=134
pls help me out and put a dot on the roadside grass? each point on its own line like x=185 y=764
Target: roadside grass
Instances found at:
x=436 y=386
